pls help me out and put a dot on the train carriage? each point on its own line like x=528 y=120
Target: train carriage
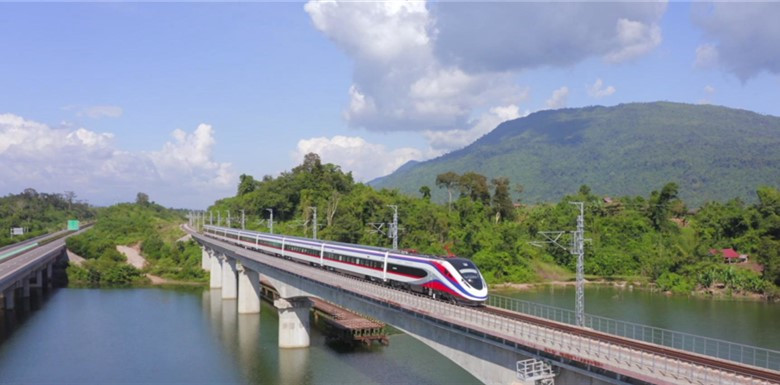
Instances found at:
x=455 y=279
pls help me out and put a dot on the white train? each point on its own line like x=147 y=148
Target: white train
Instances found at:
x=456 y=279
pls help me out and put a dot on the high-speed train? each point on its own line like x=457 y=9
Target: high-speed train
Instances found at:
x=454 y=279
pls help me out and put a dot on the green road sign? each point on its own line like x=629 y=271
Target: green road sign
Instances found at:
x=73 y=225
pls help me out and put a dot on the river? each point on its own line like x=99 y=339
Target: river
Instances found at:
x=743 y=321
x=190 y=335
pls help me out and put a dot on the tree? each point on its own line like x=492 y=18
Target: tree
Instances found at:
x=449 y=180
x=659 y=205
x=69 y=196
x=502 y=200
x=426 y=192
x=311 y=164
x=474 y=186
x=246 y=184
x=142 y=199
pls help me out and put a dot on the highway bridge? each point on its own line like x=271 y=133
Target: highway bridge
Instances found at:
x=28 y=264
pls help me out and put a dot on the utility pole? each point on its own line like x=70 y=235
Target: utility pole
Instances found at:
x=242 y=220
x=394 y=227
x=219 y=218
x=314 y=209
x=271 y=221
x=228 y=218
x=577 y=247
x=211 y=217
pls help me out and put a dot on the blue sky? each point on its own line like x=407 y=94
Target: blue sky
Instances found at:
x=178 y=99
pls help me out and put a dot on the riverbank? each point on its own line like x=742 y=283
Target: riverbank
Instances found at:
x=716 y=292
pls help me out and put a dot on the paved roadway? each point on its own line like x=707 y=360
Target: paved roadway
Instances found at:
x=8 y=249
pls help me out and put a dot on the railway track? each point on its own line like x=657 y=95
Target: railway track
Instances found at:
x=729 y=366
x=761 y=374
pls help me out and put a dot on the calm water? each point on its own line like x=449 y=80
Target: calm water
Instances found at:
x=192 y=336
x=189 y=336
x=753 y=323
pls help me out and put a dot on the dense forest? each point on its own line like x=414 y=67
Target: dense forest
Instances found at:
x=153 y=227
x=653 y=238
x=713 y=153
x=39 y=213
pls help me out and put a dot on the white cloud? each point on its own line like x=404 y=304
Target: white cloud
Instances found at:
x=501 y=36
x=442 y=142
x=96 y=112
x=634 y=40
x=742 y=38
x=365 y=160
x=598 y=91
x=559 y=98
x=56 y=159
x=709 y=89
x=706 y=56
x=398 y=82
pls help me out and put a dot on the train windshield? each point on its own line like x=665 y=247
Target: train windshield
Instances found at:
x=468 y=271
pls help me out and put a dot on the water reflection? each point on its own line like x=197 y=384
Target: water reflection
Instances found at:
x=294 y=366
x=25 y=309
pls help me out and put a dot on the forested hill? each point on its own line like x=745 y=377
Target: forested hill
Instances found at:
x=711 y=152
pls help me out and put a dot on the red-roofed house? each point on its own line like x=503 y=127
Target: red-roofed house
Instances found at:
x=730 y=255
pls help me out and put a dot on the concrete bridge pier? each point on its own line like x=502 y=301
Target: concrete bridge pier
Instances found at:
x=8 y=298
x=26 y=287
x=215 y=276
x=38 y=279
x=229 y=281
x=248 y=290
x=49 y=271
x=294 y=325
x=205 y=261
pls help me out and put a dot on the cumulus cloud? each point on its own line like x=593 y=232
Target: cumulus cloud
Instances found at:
x=505 y=36
x=598 y=91
x=61 y=158
x=709 y=89
x=431 y=67
x=399 y=83
x=559 y=98
x=365 y=160
x=442 y=142
x=742 y=38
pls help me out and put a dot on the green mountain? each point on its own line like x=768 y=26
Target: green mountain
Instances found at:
x=711 y=152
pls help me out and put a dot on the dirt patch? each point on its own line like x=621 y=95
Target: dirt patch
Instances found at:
x=133 y=255
x=75 y=258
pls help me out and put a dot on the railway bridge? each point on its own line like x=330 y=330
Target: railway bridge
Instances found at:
x=506 y=342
